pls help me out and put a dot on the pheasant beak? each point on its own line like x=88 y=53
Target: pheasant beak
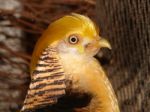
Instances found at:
x=98 y=44
x=104 y=43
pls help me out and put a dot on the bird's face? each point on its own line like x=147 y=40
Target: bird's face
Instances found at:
x=73 y=33
x=81 y=44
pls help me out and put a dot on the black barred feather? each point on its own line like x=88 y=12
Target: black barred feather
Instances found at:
x=47 y=83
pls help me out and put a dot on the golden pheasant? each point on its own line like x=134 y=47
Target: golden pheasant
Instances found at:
x=63 y=65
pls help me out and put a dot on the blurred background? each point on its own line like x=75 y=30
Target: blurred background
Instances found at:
x=125 y=23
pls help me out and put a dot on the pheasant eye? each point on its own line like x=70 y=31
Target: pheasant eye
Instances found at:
x=73 y=39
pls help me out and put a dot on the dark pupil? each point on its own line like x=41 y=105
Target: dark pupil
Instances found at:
x=73 y=39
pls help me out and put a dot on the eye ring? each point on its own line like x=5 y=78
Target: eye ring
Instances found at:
x=73 y=39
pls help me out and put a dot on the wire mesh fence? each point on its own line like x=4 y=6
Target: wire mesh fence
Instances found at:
x=126 y=24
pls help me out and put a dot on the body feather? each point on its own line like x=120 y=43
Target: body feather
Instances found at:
x=88 y=77
x=47 y=81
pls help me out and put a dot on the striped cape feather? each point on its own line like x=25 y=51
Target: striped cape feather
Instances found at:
x=47 y=81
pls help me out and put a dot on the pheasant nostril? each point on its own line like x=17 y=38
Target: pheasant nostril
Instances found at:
x=88 y=45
